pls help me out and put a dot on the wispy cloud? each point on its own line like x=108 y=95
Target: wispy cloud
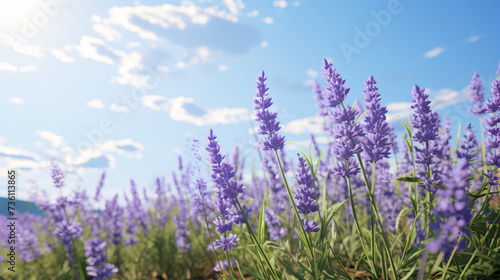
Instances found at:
x=253 y=13
x=473 y=39
x=16 y=100
x=56 y=140
x=268 y=20
x=96 y=104
x=280 y=4
x=4 y=66
x=434 y=52
x=306 y=125
x=62 y=56
x=184 y=109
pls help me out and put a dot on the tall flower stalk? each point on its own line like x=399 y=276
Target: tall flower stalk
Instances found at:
x=272 y=140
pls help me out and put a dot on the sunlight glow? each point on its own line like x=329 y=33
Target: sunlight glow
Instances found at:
x=14 y=12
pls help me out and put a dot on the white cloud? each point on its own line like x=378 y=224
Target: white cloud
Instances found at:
x=62 y=56
x=252 y=14
x=307 y=125
x=27 y=69
x=434 y=52
x=56 y=140
x=16 y=153
x=118 y=109
x=447 y=97
x=311 y=73
x=127 y=147
x=90 y=47
x=264 y=44
x=234 y=6
x=202 y=53
x=223 y=68
x=130 y=65
x=4 y=66
x=399 y=106
x=180 y=65
x=16 y=100
x=133 y=44
x=96 y=103
x=169 y=16
x=184 y=109
x=474 y=38
x=280 y=4
x=108 y=32
x=268 y=20
x=20 y=45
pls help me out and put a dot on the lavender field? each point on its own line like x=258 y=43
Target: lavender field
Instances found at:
x=344 y=212
x=236 y=140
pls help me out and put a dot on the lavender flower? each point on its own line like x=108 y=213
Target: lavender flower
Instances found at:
x=336 y=93
x=113 y=216
x=310 y=226
x=268 y=124
x=224 y=265
x=318 y=97
x=392 y=139
x=57 y=175
x=492 y=128
x=476 y=95
x=27 y=237
x=97 y=261
x=67 y=230
x=226 y=242
x=227 y=191
x=376 y=142
x=305 y=192
x=276 y=231
x=198 y=193
x=223 y=226
x=303 y=175
x=97 y=196
x=468 y=146
x=453 y=211
x=424 y=120
x=346 y=136
x=222 y=172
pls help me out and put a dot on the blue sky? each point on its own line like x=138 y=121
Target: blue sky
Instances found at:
x=121 y=86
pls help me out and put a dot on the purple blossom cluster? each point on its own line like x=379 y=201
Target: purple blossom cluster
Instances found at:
x=453 y=212
x=492 y=129
x=98 y=267
x=269 y=126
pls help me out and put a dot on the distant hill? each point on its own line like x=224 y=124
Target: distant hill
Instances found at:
x=21 y=207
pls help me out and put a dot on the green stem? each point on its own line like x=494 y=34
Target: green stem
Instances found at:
x=211 y=241
x=360 y=233
x=372 y=200
x=451 y=258
x=338 y=260
x=477 y=249
x=255 y=241
x=296 y=212
x=231 y=270
x=372 y=217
